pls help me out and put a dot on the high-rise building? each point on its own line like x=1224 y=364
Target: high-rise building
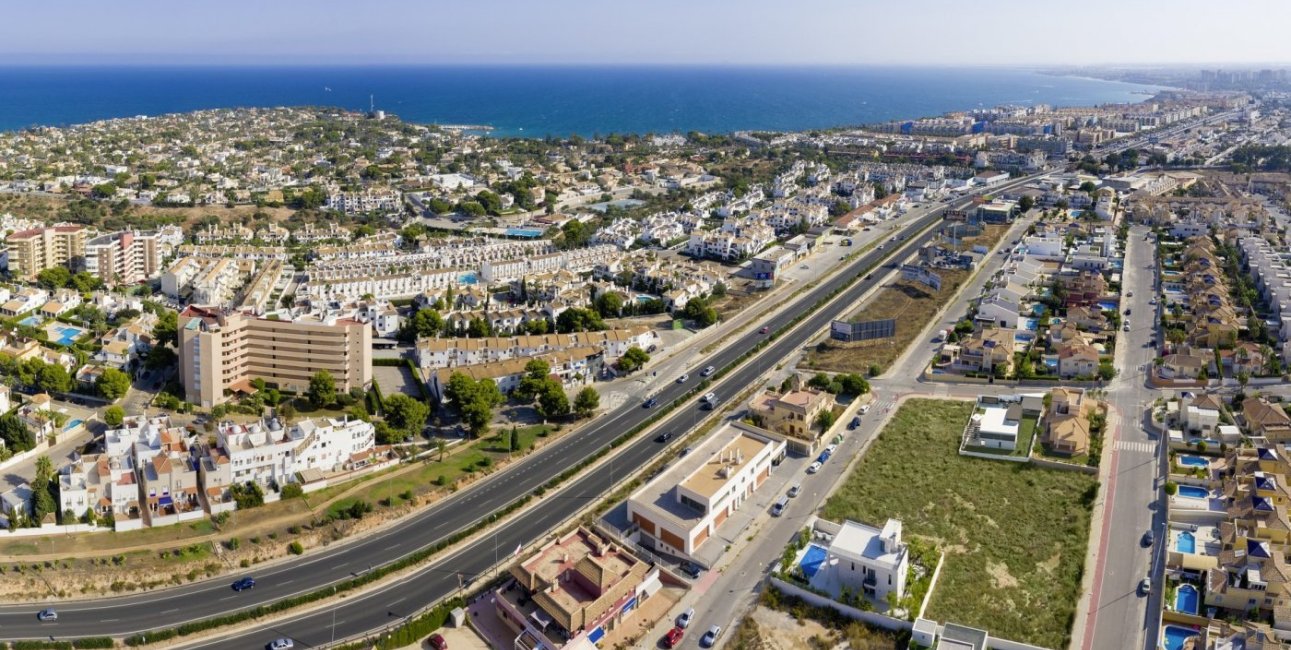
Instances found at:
x=222 y=351
x=123 y=257
x=32 y=251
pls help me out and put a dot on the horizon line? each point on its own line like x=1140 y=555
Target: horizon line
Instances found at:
x=126 y=63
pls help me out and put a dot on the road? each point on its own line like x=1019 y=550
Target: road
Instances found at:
x=1118 y=616
x=129 y=614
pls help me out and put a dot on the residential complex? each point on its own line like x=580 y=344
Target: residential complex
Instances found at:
x=123 y=257
x=34 y=250
x=221 y=351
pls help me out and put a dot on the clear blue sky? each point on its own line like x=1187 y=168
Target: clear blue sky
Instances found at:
x=916 y=32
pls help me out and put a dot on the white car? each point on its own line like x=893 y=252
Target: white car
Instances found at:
x=865 y=408
x=281 y=644
x=686 y=617
x=831 y=449
x=813 y=468
x=682 y=379
x=707 y=372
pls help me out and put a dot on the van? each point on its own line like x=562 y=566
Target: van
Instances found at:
x=710 y=400
x=778 y=507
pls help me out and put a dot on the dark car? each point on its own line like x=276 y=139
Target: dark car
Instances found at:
x=650 y=403
x=691 y=569
x=663 y=437
x=764 y=329
x=437 y=642
x=1149 y=538
x=242 y=584
x=856 y=422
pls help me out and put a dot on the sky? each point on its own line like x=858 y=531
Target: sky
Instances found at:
x=725 y=32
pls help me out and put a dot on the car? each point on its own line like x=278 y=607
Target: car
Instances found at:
x=867 y=228
x=682 y=379
x=842 y=257
x=1149 y=538
x=880 y=247
x=710 y=637
x=831 y=449
x=673 y=637
x=823 y=457
x=793 y=491
x=1152 y=301
x=1129 y=294
x=865 y=408
x=1145 y=586
x=437 y=642
x=683 y=452
x=1126 y=327
x=804 y=267
x=708 y=372
x=281 y=644
x=650 y=403
x=813 y=468
x=856 y=422
x=686 y=617
x=242 y=584
x=691 y=569
x=869 y=276
x=47 y=614
x=663 y=437
x=764 y=330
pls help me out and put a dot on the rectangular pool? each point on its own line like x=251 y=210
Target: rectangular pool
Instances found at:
x=1193 y=492
x=1186 y=542
x=1194 y=461
x=812 y=559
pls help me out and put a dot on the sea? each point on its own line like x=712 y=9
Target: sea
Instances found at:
x=538 y=101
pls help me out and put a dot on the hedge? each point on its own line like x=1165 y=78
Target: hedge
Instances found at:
x=87 y=642
x=388 y=361
x=411 y=632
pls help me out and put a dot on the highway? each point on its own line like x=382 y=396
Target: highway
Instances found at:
x=356 y=614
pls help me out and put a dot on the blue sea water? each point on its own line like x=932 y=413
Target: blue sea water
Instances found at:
x=549 y=100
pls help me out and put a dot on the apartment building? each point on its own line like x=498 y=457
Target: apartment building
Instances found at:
x=221 y=351
x=123 y=257
x=682 y=508
x=34 y=250
x=455 y=352
x=269 y=453
x=792 y=414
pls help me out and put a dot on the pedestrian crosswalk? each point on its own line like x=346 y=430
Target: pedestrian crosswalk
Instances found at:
x=1144 y=447
x=614 y=400
x=883 y=404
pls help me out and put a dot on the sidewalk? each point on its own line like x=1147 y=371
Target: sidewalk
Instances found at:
x=1099 y=528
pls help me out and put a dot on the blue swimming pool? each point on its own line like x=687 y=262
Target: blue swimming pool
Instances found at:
x=1030 y=324
x=1039 y=310
x=642 y=298
x=1107 y=305
x=468 y=278
x=30 y=321
x=531 y=233
x=1051 y=362
x=1194 y=461
x=73 y=424
x=1023 y=337
x=1186 y=543
x=67 y=334
x=1193 y=492
x=812 y=559
x=1175 y=636
x=1186 y=599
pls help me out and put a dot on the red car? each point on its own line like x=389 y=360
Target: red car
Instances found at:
x=437 y=642
x=765 y=330
x=673 y=637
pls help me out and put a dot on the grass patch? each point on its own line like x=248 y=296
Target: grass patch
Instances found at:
x=1014 y=536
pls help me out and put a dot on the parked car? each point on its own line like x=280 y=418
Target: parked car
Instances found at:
x=663 y=437
x=1128 y=311
x=710 y=637
x=691 y=569
x=793 y=491
x=856 y=422
x=1129 y=294
x=823 y=457
x=1145 y=586
x=686 y=617
x=673 y=637
x=707 y=372
x=682 y=379
x=831 y=449
x=437 y=642
x=281 y=644
x=1149 y=538
x=47 y=614
x=242 y=584
x=865 y=408
x=814 y=467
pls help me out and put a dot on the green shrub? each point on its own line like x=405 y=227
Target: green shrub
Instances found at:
x=295 y=548
x=292 y=491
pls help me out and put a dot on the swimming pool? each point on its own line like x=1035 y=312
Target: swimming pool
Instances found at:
x=1051 y=362
x=812 y=559
x=1186 y=542
x=67 y=334
x=642 y=298
x=1193 y=492
x=1185 y=600
x=1194 y=461
x=1030 y=324
x=467 y=278
x=1107 y=305
x=73 y=424
x=1175 y=636
x=524 y=232
x=1039 y=310
x=30 y=321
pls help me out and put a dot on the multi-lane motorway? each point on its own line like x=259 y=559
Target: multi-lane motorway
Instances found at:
x=376 y=608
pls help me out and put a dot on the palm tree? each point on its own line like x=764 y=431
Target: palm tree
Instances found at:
x=44 y=468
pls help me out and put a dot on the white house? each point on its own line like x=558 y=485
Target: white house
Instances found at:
x=862 y=559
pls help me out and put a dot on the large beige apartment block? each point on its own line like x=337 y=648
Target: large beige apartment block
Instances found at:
x=222 y=351
x=123 y=257
x=32 y=251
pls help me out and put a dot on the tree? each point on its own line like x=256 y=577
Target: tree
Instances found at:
x=425 y=323
x=633 y=359
x=479 y=328
x=247 y=495
x=54 y=379
x=166 y=330
x=698 y=310
x=825 y=420
x=577 y=319
x=1026 y=203
x=44 y=467
x=474 y=400
x=322 y=389
x=852 y=384
x=609 y=304
x=112 y=383
x=406 y=414
x=536 y=373
x=114 y=415
x=85 y=283
x=160 y=357
x=286 y=411
x=552 y=402
x=586 y=402
x=54 y=277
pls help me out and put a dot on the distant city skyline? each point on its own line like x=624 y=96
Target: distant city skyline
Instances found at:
x=667 y=32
